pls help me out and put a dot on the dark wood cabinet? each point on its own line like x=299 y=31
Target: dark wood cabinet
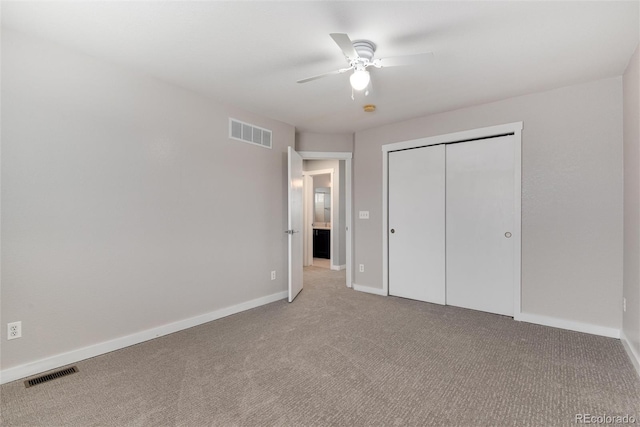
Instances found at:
x=321 y=243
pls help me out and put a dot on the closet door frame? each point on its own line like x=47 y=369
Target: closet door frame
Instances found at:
x=468 y=136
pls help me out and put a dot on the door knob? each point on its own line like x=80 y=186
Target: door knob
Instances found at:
x=507 y=234
x=393 y=231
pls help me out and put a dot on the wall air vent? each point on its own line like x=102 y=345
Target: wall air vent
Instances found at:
x=249 y=133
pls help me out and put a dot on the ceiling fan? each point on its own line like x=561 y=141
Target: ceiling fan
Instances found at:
x=359 y=55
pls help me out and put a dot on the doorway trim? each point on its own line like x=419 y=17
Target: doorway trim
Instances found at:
x=348 y=198
x=464 y=136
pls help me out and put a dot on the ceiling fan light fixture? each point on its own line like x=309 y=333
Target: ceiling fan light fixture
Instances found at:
x=360 y=79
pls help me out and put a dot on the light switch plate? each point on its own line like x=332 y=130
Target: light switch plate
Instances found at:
x=364 y=215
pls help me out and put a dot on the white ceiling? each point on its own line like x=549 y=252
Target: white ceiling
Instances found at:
x=251 y=53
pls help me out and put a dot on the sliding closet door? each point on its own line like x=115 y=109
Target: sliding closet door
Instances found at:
x=480 y=221
x=416 y=224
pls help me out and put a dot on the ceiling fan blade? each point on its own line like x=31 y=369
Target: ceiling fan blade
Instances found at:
x=344 y=42
x=397 y=61
x=319 y=76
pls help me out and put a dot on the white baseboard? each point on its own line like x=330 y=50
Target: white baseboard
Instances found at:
x=569 y=325
x=633 y=354
x=53 y=362
x=338 y=267
x=369 y=290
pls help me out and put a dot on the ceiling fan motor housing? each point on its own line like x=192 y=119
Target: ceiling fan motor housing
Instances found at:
x=365 y=49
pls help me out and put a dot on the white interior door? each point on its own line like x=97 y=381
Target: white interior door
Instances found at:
x=295 y=213
x=416 y=224
x=479 y=224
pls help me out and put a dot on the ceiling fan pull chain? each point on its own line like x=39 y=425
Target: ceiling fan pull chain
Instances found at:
x=353 y=98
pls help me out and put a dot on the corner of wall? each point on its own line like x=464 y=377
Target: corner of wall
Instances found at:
x=631 y=221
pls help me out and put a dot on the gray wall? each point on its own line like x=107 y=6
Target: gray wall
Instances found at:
x=124 y=203
x=631 y=288
x=571 y=195
x=322 y=181
x=308 y=141
x=338 y=217
x=342 y=214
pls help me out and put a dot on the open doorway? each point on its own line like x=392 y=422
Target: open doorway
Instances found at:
x=322 y=223
x=327 y=212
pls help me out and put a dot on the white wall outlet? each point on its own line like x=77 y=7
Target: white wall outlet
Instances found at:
x=14 y=330
x=624 y=304
x=273 y=275
x=363 y=215
x=361 y=268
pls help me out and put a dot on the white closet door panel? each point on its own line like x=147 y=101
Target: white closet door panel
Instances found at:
x=416 y=216
x=480 y=210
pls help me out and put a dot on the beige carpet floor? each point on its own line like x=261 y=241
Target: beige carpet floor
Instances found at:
x=340 y=357
x=322 y=262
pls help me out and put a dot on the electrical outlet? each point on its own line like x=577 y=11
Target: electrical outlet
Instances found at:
x=14 y=330
x=361 y=268
x=273 y=275
x=624 y=305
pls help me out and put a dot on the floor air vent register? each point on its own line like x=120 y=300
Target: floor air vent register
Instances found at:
x=51 y=376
